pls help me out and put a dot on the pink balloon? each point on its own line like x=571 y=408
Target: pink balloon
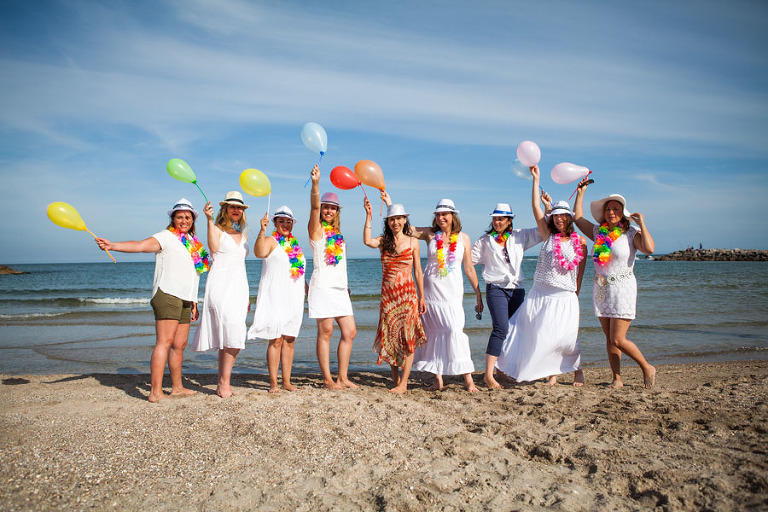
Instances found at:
x=567 y=172
x=528 y=153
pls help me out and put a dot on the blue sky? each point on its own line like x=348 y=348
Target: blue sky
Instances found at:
x=667 y=103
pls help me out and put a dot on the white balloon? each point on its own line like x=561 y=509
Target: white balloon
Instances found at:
x=567 y=172
x=313 y=136
x=528 y=153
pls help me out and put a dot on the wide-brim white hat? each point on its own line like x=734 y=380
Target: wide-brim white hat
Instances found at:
x=445 y=205
x=502 y=210
x=182 y=204
x=283 y=211
x=560 y=208
x=597 y=207
x=234 y=198
x=395 y=210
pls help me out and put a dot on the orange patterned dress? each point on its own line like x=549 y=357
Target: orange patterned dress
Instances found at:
x=400 y=330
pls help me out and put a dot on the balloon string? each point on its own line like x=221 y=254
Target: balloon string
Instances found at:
x=269 y=200
x=94 y=236
x=577 y=186
x=201 y=190
x=359 y=184
x=322 y=154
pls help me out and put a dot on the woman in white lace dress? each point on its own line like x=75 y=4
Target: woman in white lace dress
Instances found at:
x=615 y=289
x=542 y=339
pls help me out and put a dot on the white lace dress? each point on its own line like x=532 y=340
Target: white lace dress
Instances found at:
x=614 y=292
x=542 y=338
x=222 y=320
x=446 y=351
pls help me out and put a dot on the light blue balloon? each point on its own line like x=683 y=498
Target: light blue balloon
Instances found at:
x=313 y=136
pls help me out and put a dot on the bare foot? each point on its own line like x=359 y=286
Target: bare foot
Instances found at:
x=578 y=378
x=649 y=379
x=224 y=391
x=472 y=389
x=491 y=382
x=332 y=385
x=346 y=384
x=399 y=389
x=288 y=386
x=274 y=389
x=156 y=398
x=182 y=392
x=436 y=386
x=616 y=384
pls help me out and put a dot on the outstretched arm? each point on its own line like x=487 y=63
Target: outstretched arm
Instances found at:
x=583 y=224
x=314 y=227
x=147 y=245
x=367 y=238
x=541 y=221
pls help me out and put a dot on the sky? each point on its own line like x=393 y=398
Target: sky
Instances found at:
x=666 y=103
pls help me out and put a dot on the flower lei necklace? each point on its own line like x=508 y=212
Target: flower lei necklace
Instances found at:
x=445 y=270
x=334 y=244
x=579 y=253
x=199 y=255
x=603 y=242
x=500 y=238
x=295 y=255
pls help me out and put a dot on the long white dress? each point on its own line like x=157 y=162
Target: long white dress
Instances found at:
x=280 y=300
x=446 y=351
x=542 y=338
x=222 y=320
x=614 y=292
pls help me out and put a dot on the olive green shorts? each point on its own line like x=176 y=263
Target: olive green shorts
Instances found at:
x=169 y=307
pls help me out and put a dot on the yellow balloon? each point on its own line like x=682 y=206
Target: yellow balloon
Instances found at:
x=255 y=182
x=66 y=216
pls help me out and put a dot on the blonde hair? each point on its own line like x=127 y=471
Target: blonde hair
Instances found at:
x=224 y=222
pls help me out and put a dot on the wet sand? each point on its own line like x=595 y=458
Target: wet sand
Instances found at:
x=697 y=441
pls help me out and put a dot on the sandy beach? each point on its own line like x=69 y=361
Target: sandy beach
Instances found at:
x=695 y=442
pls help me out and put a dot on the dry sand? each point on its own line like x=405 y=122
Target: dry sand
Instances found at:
x=695 y=442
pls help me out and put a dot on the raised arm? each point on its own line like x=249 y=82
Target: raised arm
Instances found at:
x=541 y=221
x=214 y=233
x=418 y=275
x=264 y=244
x=147 y=245
x=643 y=241
x=314 y=227
x=469 y=270
x=367 y=238
x=583 y=224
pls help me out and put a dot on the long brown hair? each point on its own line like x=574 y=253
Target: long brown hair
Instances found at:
x=387 y=245
x=508 y=230
x=455 y=223
x=553 y=230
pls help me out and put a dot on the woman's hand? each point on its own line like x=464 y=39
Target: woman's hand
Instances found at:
x=535 y=173
x=385 y=197
x=104 y=244
x=264 y=222
x=195 y=312
x=368 y=209
x=547 y=200
x=315 y=175
x=638 y=218
x=583 y=184
x=208 y=211
x=422 y=306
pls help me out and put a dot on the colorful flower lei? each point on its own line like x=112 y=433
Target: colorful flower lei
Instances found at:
x=334 y=244
x=445 y=270
x=500 y=238
x=558 y=250
x=601 y=251
x=295 y=255
x=199 y=255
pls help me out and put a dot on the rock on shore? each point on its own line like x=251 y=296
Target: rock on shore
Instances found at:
x=6 y=270
x=715 y=255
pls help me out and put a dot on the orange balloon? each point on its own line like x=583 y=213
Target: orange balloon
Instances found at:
x=369 y=173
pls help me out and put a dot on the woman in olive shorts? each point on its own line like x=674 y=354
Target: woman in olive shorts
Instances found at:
x=179 y=260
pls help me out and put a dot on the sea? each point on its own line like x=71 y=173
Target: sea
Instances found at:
x=96 y=318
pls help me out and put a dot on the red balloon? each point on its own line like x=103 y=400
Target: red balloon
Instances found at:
x=343 y=178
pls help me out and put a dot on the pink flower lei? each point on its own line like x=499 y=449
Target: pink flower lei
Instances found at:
x=295 y=255
x=579 y=252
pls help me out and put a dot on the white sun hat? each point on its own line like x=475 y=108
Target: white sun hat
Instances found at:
x=394 y=210
x=182 y=204
x=502 y=210
x=283 y=211
x=597 y=207
x=445 y=205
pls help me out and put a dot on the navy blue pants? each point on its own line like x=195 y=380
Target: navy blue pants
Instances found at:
x=502 y=302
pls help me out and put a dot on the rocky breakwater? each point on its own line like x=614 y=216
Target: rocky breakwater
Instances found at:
x=715 y=255
x=5 y=269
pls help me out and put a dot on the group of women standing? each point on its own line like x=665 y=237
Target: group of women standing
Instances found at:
x=421 y=317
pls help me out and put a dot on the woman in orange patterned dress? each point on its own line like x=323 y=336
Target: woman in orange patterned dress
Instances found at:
x=400 y=330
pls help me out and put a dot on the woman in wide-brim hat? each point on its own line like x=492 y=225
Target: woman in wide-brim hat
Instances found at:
x=614 y=292
x=280 y=301
x=446 y=351
x=328 y=296
x=500 y=253
x=399 y=332
x=542 y=339
x=222 y=323
x=179 y=260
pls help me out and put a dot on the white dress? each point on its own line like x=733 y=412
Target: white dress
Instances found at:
x=222 y=320
x=542 y=338
x=446 y=351
x=328 y=291
x=280 y=300
x=614 y=292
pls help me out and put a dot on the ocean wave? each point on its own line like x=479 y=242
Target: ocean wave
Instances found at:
x=116 y=300
x=30 y=316
x=73 y=301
